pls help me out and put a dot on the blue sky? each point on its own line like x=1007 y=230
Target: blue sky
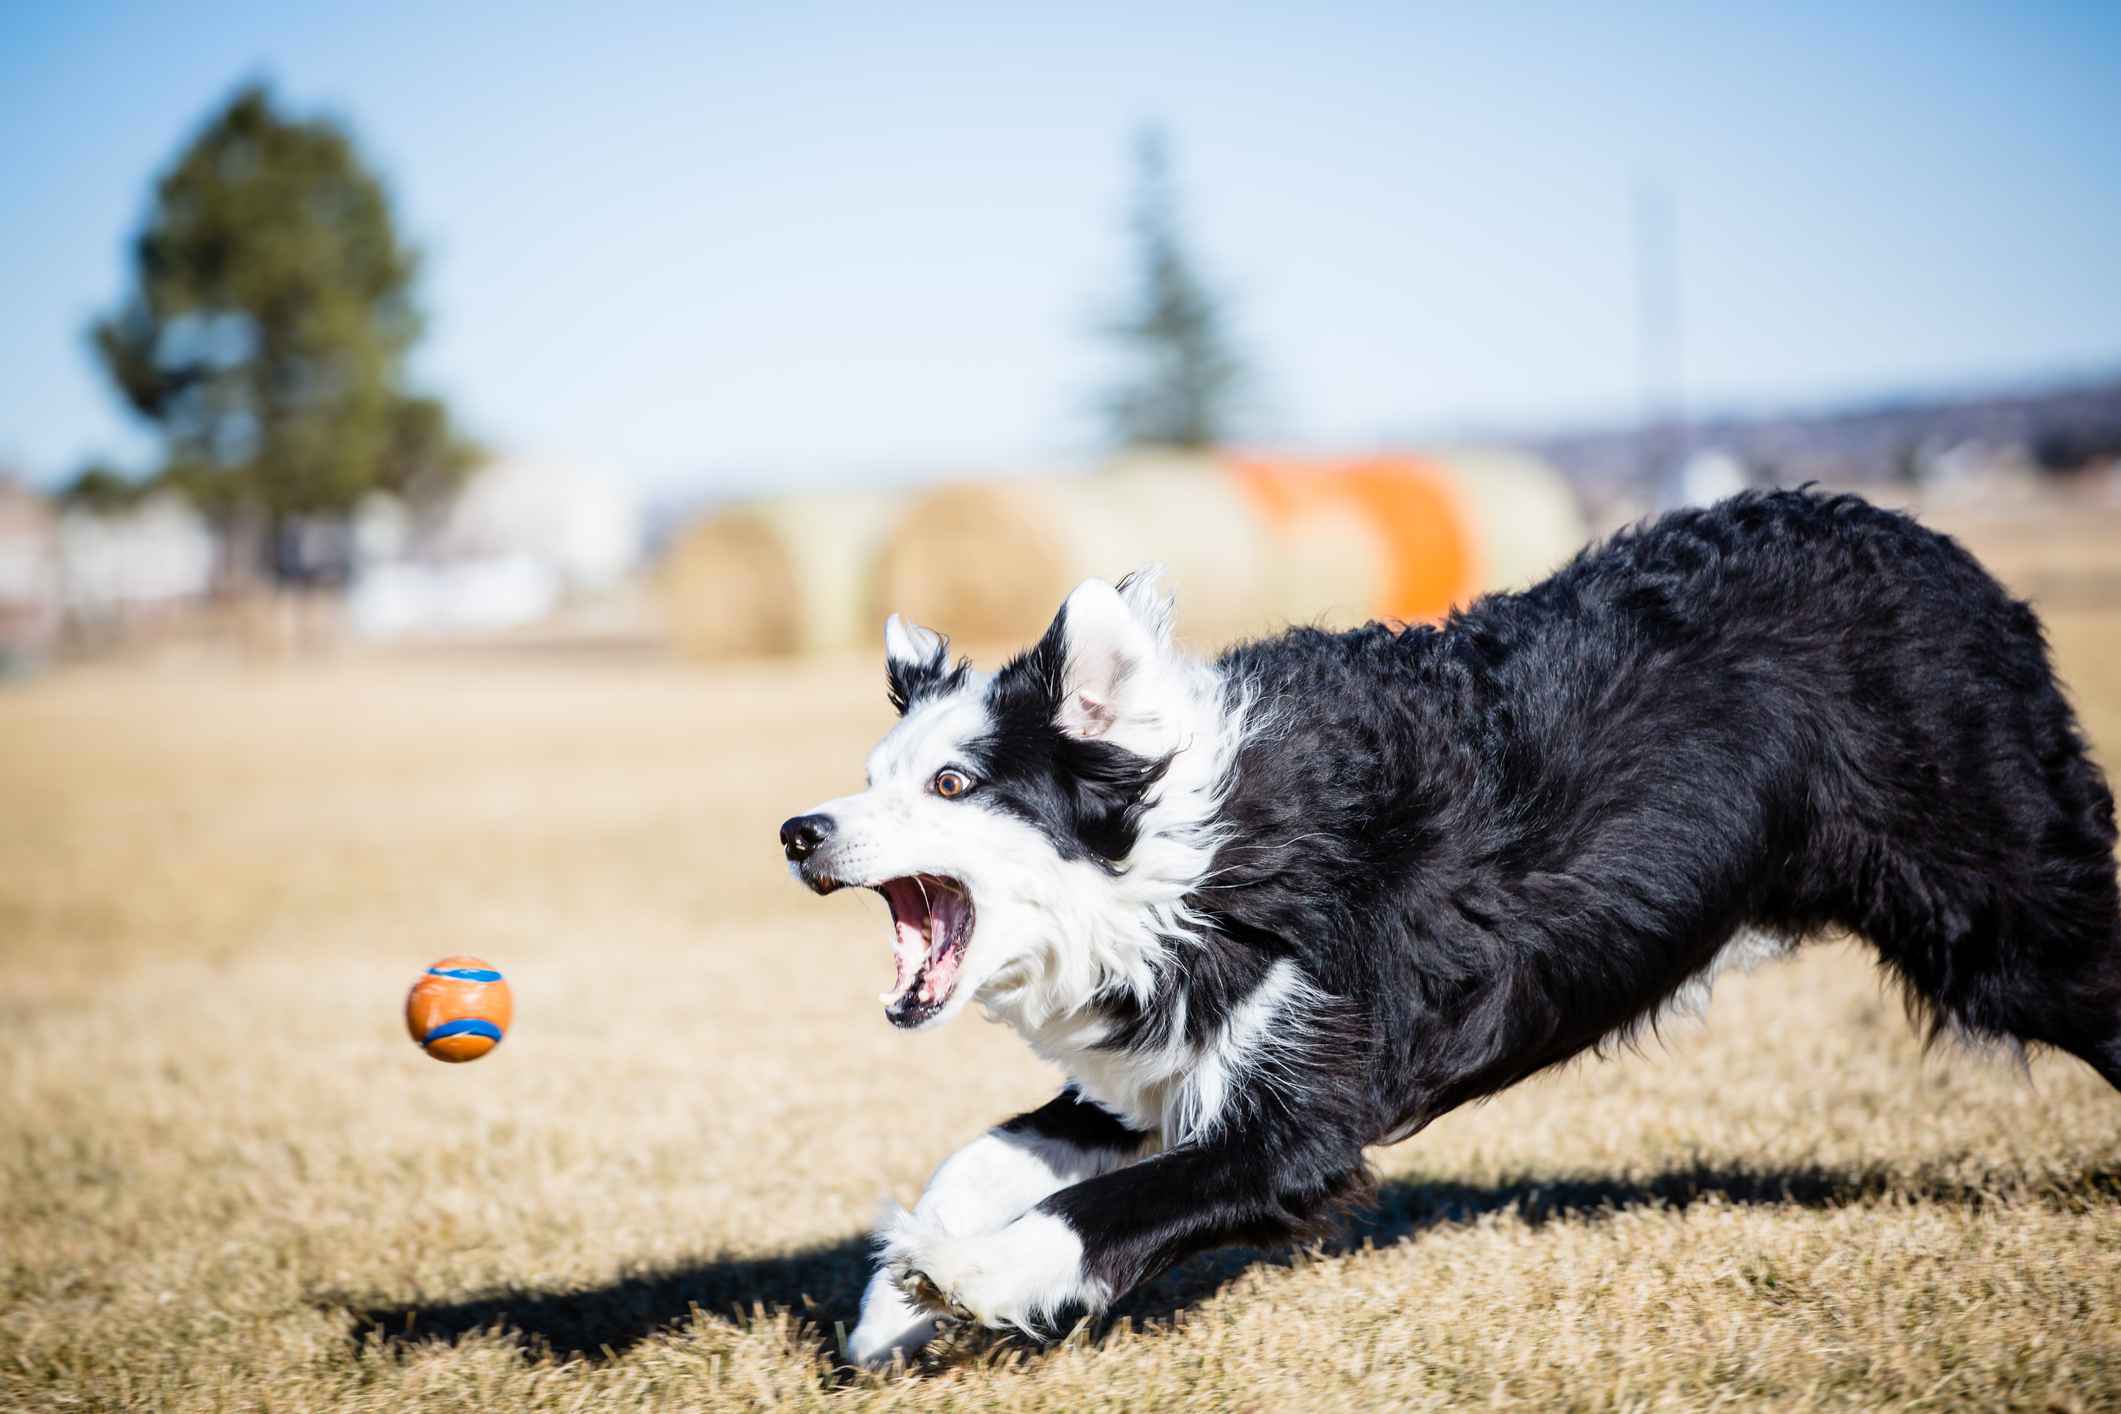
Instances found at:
x=711 y=245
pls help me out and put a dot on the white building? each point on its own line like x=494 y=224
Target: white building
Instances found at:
x=520 y=538
x=156 y=554
x=29 y=577
x=584 y=523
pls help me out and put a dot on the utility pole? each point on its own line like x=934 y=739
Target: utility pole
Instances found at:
x=1662 y=407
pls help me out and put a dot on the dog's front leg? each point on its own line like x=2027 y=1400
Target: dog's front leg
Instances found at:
x=978 y=1191
x=1083 y=1247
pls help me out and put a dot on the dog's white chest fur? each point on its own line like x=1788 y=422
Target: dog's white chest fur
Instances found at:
x=1181 y=1090
x=1137 y=1086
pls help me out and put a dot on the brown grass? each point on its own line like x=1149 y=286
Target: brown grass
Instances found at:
x=227 y=1181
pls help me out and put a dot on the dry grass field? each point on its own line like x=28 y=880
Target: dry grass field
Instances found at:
x=227 y=1181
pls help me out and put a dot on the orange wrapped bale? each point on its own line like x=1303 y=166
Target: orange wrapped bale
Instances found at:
x=1443 y=528
x=1529 y=520
x=459 y=1009
x=1250 y=543
x=1421 y=519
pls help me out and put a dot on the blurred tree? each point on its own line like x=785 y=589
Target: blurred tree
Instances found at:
x=1185 y=374
x=267 y=329
x=101 y=488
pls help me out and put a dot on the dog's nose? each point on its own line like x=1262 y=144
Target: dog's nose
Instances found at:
x=801 y=836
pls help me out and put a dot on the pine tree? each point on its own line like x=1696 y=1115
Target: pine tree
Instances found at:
x=1184 y=376
x=267 y=329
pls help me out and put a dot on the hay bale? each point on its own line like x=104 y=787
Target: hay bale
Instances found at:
x=1529 y=520
x=1329 y=568
x=989 y=562
x=1250 y=544
x=1419 y=524
x=776 y=577
x=1440 y=530
x=1181 y=512
x=977 y=559
x=1330 y=560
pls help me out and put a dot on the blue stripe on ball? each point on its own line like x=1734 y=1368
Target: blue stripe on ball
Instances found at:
x=471 y=1027
x=466 y=974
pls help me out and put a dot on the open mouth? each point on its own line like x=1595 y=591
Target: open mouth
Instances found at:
x=931 y=922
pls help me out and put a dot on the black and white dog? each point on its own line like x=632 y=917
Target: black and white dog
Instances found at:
x=1269 y=910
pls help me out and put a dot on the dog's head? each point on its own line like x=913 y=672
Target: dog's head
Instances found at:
x=1005 y=814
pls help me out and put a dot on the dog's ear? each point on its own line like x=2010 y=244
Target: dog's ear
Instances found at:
x=1113 y=643
x=914 y=659
x=910 y=645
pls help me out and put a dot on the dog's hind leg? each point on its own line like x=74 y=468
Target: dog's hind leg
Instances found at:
x=2102 y=1053
x=2081 y=1010
x=1975 y=849
x=2025 y=951
x=979 y=1189
x=2072 y=1004
x=2034 y=959
x=2075 y=1004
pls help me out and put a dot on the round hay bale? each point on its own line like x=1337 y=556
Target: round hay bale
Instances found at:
x=977 y=560
x=1180 y=512
x=775 y=577
x=990 y=562
x=1330 y=561
x=1529 y=519
x=1329 y=568
x=1418 y=520
x=1249 y=543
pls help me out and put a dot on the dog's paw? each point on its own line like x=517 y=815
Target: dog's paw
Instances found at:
x=925 y=1293
x=1020 y=1277
x=910 y=1244
x=891 y=1327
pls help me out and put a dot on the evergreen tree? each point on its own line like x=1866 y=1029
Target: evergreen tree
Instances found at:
x=1184 y=375
x=268 y=325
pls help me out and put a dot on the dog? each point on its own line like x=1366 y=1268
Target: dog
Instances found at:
x=1267 y=911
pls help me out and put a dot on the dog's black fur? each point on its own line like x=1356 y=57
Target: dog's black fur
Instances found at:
x=1509 y=838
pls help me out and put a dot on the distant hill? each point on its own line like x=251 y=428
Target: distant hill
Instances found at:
x=2060 y=429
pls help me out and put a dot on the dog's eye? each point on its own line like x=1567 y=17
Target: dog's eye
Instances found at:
x=951 y=784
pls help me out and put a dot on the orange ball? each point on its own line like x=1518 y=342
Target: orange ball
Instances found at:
x=459 y=1009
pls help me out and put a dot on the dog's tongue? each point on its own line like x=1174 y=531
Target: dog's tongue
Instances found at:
x=927 y=925
x=909 y=941
x=948 y=911
x=940 y=976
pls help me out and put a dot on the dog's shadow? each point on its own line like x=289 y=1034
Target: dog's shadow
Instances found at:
x=823 y=1284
